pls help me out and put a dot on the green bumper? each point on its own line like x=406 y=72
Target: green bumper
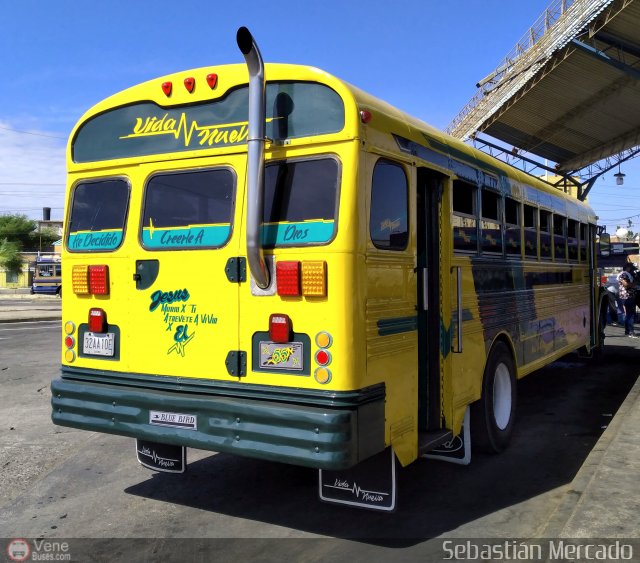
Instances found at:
x=325 y=430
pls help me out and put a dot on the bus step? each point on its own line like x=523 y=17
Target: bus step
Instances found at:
x=428 y=441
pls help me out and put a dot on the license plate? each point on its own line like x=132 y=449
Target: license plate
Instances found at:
x=288 y=356
x=95 y=344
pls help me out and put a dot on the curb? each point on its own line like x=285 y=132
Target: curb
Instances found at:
x=57 y=317
x=577 y=492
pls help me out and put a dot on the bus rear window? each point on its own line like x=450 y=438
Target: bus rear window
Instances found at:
x=98 y=213
x=188 y=209
x=300 y=202
x=293 y=110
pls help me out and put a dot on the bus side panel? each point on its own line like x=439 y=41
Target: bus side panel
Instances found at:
x=392 y=346
x=470 y=352
x=540 y=318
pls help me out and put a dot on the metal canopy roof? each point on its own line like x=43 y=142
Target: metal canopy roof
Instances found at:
x=569 y=92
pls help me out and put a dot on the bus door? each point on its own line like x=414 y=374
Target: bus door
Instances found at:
x=436 y=441
x=429 y=194
x=183 y=319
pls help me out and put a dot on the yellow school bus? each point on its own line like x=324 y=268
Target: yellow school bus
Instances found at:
x=266 y=261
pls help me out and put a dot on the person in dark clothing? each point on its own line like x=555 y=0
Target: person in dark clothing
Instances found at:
x=612 y=302
x=627 y=294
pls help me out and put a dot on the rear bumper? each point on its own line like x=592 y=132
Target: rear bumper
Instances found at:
x=46 y=290
x=325 y=430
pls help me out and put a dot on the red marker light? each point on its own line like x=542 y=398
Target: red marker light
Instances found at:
x=166 y=88
x=365 y=116
x=97 y=320
x=189 y=84
x=69 y=342
x=279 y=328
x=212 y=80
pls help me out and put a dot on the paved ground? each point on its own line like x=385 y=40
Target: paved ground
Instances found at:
x=22 y=306
x=603 y=500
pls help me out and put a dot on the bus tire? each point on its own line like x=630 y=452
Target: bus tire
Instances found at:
x=492 y=417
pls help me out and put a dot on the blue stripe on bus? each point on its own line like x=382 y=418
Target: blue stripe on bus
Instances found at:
x=397 y=325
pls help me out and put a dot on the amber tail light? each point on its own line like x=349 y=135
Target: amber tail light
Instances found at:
x=90 y=280
x=308 y=278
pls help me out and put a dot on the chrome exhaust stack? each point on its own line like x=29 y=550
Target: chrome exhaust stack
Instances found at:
x=255 y=157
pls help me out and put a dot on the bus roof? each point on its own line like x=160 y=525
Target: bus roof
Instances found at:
x=389 y=126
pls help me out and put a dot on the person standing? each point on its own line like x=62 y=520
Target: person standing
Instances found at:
x=612 y=302
x=627 y=295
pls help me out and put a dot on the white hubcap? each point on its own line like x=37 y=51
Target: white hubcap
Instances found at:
x=502 y=396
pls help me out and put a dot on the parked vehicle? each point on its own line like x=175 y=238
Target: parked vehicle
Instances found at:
x=47 y=278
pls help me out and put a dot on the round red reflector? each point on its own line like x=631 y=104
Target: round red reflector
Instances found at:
x=323 y=357
x=69 y=342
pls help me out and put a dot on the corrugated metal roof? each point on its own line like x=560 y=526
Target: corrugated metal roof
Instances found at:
x=574 y=96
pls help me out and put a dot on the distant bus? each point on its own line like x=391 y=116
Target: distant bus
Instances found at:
x=278 y=265
x=47 y=277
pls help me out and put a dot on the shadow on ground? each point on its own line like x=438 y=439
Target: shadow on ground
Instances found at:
x=562 y=411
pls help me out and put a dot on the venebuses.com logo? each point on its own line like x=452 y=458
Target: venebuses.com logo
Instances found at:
x=38 y=550
x=18 y=550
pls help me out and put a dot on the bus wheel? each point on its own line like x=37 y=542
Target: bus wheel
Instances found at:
x=492 y=417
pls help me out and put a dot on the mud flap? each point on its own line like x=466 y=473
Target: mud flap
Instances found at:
x=371 y=484
x=162 y=457
x=458 y=449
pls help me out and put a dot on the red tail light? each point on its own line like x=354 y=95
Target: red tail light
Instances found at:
x=97 y=320
x=288 y=278
x=279 y=328
x=99 y=280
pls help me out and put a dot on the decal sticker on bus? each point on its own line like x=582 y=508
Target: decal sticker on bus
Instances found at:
x=297 y=233
x=185 y=237
x=180 y=317
x=97 y=240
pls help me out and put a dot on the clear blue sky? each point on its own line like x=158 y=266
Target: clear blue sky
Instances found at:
x=423 y=56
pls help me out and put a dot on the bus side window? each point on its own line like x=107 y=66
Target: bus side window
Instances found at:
x=530 y=231
x=464 y=221
x=545 y=235
x=560 y=237
x=389 y=224
x=583 y=242
x=513 y=235
x=491 y=224
x=572 y=240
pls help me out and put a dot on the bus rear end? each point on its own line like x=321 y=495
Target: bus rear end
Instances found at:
x=169 y=337
x=47 y=277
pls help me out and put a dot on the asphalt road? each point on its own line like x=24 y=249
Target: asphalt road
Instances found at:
x=58 y=482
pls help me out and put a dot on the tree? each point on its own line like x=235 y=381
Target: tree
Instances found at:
x=24 y=231
x=10 y=258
